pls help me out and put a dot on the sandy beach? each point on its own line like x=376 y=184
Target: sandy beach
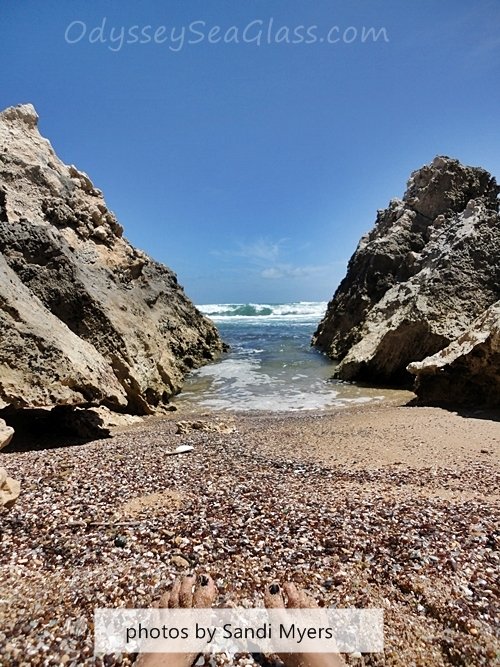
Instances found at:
x=381 y=505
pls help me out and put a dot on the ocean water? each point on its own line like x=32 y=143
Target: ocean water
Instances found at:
x=271 y=365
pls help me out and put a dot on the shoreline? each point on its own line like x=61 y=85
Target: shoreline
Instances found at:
x=369 y=505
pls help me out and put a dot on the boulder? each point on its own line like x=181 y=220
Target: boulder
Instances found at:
x=467 y=372
x=9 y=490
x=427 y=269
x=86 y=318
x=6 y=433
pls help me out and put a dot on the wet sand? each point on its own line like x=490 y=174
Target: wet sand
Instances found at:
x=378 y=505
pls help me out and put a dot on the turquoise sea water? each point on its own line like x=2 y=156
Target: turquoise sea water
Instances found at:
x=271 y=365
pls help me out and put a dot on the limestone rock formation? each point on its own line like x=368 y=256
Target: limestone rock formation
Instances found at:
x=427 y=269
x=9 y=490
x=6 y=433
x=467 y=372
x=85 y=318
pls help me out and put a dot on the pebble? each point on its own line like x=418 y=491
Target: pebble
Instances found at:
x=179 y=561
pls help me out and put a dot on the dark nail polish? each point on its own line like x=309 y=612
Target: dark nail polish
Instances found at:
x=203 y=580
x=274 y=589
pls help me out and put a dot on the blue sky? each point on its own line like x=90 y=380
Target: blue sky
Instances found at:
x=252 y=170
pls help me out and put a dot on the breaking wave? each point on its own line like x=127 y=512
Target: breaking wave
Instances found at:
x=313 y=310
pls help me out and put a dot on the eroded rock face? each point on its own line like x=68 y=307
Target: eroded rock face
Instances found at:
x=427 y=269
x=42 y=362
x=85 y=318
x=467 y=372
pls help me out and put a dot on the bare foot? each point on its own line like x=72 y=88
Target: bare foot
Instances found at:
x=295 y=598
x=187 y=592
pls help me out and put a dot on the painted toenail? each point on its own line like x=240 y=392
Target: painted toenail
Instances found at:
x=203 y=580
x=274 y=589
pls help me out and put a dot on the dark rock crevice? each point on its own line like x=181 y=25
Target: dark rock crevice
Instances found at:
x=37 y=428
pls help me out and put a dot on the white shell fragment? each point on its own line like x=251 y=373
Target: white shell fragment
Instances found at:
x=181 y=449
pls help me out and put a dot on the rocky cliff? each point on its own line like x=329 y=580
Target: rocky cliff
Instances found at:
x=85 y=318
x=427 y=269
x=467 y=372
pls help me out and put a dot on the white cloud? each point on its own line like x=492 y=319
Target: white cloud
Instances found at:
x=261 y=249
x=266 y=259
x=290 y=271
x=271 y=273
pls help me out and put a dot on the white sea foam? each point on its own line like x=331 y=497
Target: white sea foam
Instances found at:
x=242 y=385
x=235 y=373
x=284 y=401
